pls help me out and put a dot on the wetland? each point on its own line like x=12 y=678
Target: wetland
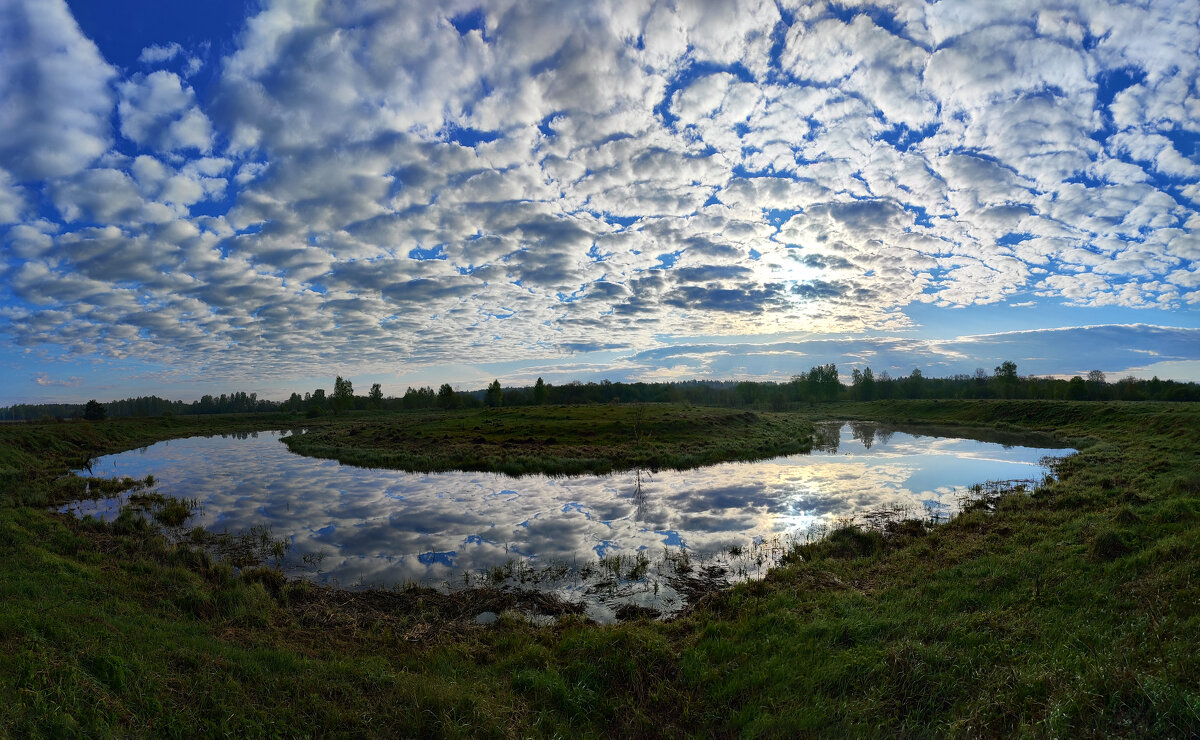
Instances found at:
x=646 y=539
x=1067 y=608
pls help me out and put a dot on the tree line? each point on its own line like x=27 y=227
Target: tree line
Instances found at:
x=226 y=403
x=820 y=384
x=823 y=383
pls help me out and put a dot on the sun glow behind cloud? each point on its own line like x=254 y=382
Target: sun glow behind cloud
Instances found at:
x=408 y=189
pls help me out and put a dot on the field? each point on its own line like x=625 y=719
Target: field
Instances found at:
x=1071 y=611
x=558 y=440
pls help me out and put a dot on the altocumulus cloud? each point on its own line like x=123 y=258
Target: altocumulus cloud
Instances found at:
x=429 y=183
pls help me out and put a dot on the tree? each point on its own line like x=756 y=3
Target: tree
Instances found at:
x=94 y=411
x=316 y=402
x=823 y=382
x=883 y=387
x=1077 y=389
x=376 y=396
x=493 y=397
x=1005 y=375
x=864 y=384
x=915 y=385
x=419 y=398
x=445 y=396
x=343 y=394
x=541 y=392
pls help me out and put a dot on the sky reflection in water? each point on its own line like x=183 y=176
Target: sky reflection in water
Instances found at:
x=383 y=527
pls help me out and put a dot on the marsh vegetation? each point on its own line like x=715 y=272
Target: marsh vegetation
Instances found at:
x=1066 y=609
x=558 y=440
x=572 y=536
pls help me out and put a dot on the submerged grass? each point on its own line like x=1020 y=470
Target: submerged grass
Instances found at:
x=1069 y=610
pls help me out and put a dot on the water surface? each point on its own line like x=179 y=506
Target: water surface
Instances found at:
x=369 y=527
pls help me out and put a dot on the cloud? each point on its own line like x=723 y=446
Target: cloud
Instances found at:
x=157 y=110
x=400 y=186
x=12 y=201
x=44 y=379
x=159 y=53
x=54 y=92
x=1114 y=348
x=104 y=195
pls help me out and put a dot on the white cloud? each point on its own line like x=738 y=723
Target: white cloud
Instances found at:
x=44 y=379
x=105 y=196
x=157 y=110
x=159 y=53
x=369 y=181
x=12 y=202
x=54 y=92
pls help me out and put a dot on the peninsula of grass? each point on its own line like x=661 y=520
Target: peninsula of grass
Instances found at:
x=1070 y=611
x=557 y=440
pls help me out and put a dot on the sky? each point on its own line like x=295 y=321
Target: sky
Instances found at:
x=207 y=197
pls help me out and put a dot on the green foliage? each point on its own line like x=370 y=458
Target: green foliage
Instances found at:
x=419 y=398
x=173 y=512
x=1006 y=372
x=823 y=383
x=1077 y=389
x=375 y=396
x=446 y=399
x=494 y=395
x=1108 y=544
x=863 y=387
x=559 y=439
x=844 y=542
x=294 y=403
x=343 y=395
x=1067 y=612
x=316 y=401
x=798 y=393
x=93 y=411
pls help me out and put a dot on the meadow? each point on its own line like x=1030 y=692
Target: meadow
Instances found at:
x=558 y=440
x=1069 y=610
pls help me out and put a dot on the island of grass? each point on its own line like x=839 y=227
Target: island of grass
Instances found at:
x=557 y=440
x=1069 y=611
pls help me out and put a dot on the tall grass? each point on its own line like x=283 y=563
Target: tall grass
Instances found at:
x=558 y=440
x=1069 y=610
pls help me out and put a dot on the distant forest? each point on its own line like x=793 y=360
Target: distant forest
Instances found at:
x=819 y=384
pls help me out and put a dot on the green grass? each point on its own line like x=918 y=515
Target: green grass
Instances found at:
x=558 y=440
x=1072 y=611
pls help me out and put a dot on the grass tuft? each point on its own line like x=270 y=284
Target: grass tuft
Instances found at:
x=1068 y=612
x=846 y=542
x=1109 y=544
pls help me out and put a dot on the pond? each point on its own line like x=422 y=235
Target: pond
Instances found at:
x=639 y=538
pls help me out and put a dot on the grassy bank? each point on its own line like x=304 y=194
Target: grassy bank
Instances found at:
x=33 y=455
x=1073 y=611
x=558 y=439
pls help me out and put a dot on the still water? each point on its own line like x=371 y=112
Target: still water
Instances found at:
x=357 y=527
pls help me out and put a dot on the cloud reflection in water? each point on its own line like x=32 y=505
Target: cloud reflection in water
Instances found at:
x=383 y=527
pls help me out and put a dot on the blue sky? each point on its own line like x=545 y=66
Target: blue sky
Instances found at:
x=203 y=197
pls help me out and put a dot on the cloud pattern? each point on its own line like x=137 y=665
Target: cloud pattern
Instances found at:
x=385 y=527
x=432 y=183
